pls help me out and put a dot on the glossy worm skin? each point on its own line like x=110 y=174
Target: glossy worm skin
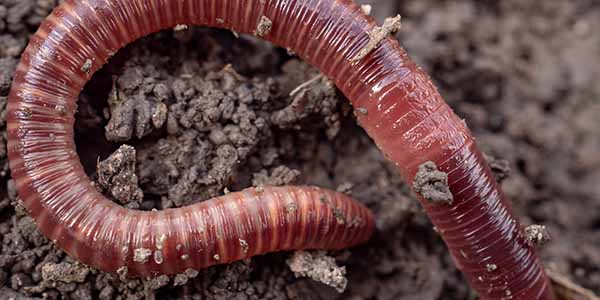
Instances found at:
x=406 y=117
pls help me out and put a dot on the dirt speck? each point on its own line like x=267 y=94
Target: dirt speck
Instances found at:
x=378 y=34
x=87 y=66
x=122 y=271
x=160 y=241
x=263 y=27
x=291 y=207
x=61 y=109
x=491 y=267
x=362 y=110
x=537 y=235
x=159 y=116
x=141 y=255
x=319 y=267
x=158 y=257
x=180 y=27
x=244 y=245
x=432 y=184
x=366 y=9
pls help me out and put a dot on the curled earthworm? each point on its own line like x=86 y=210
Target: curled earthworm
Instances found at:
x=395 y=100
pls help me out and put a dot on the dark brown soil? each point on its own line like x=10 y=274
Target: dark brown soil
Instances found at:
x=206 y=112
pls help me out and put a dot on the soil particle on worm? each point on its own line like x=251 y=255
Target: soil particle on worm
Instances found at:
x=432 y=184
x=141 y=255
x=537 y=235
x=264 y=26
x=377 y=35
x=87 y=66
x=491 y=267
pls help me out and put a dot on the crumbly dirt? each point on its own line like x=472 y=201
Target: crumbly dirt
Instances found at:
x=432 y=184
x=208 y=112
x=117 y=177
x=264 y=26
x=320 y=267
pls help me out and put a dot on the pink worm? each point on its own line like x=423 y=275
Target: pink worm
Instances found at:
x=407 y=118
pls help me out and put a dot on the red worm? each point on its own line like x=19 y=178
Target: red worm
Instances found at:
x=400 y=109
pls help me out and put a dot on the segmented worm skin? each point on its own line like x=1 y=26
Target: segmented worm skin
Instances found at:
x=406 y=117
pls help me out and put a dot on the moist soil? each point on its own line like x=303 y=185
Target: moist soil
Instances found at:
x=205 y=112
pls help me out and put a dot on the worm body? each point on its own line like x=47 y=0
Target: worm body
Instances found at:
x=402 y=111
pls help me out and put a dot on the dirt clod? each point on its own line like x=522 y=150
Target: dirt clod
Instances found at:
x=157 y=282
x=65 y=272
x=432 y=184
x=117 y=175
x=183 y=278
x=319 y=267
x=135 y=105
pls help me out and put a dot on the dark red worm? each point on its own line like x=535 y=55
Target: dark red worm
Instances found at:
x=402 y=111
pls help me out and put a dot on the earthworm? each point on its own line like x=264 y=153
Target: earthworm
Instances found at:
x=396 y=103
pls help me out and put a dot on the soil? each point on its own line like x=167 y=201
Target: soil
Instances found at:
x=209 y=113
x=432 y=184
